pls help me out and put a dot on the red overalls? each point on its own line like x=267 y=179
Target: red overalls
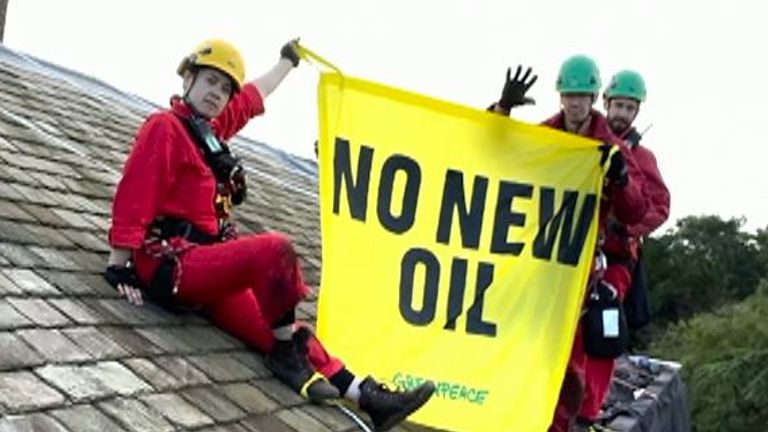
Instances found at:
x=624 y=246
x=244 y=284
x=628 y=205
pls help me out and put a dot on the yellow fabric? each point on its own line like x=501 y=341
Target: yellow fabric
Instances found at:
x=499 y=364
x=304 y=388
x=218 y=54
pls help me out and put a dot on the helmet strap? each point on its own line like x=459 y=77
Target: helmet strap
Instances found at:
x=191 y=84
x=185 y=96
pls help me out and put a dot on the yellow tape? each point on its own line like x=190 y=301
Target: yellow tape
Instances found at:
x=310 y=55
x=304 y=392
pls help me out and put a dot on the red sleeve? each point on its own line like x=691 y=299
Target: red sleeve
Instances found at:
x=147 y=174
x=245 y=105
x=655 y=191
x=629 y=204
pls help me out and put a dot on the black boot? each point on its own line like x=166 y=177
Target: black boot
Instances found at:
x=288 y=361
x=387 y=407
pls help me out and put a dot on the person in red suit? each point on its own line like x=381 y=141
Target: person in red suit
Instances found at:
x=622 y=99
x=578 y=84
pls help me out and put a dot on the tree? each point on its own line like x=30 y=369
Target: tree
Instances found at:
x=725 y=364
x=701 y=264
x=761 y=240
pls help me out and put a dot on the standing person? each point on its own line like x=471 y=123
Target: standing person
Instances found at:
x=578 y=84
x=622 y=99
x=171 y=235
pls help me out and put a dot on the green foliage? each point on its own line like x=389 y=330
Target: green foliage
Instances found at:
x=701 y=264
x=709 y=297
x=761 y=240
x=725 y=364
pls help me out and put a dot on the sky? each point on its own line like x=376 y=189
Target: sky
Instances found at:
x=704 y=64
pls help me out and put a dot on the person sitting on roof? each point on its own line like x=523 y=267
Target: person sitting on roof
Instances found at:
x=173 y=243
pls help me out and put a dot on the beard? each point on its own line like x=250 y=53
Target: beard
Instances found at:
x=618 y=125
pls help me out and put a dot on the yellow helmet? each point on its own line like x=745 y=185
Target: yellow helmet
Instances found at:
x=218 y=54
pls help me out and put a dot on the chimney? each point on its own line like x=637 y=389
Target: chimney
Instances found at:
x=3 y=9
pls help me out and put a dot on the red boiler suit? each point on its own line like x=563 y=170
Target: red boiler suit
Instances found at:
x=243 y=284
x=623 y=245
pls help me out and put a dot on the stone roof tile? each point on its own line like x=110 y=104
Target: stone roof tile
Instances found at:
x=210 y=400
x=19 y=256
x=135 y=416
x=23 y=391
x=39 y=311
x=177 y=410
x=222 y=367
x=44 y=215
x=29 y=281
x=77 y=283
x=333 y=419
x=300 y=420
x=7 y=287
x=85 y=418
x=131 y=341
x=10 y=318
x=14 y=232
x=35 y=422
x=267 y=424
x=278 y=391
x=47 y=236
x=250 y=398
x=78 y=311
x=16 y=353
x=93 y=381
x=97 y=344
x=12 y=211
x=53 y=345
x=153 y=374
x=181 y=369
x=54 y=259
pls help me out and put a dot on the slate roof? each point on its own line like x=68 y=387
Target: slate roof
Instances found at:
x=74 y=356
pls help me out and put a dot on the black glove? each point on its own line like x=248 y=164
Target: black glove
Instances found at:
x=515 y=89
x=290 y=52
x=617 y=170
x=239 y=188
x=224 y=166
x=122 y=275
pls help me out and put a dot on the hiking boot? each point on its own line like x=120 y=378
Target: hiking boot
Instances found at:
x=288 y=361
x=387 y=407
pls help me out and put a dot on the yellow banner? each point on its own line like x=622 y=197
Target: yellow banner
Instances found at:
x=456 y=248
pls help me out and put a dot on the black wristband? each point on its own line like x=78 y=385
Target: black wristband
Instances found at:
x=289 y=52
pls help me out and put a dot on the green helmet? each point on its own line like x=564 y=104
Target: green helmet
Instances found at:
x=579 y=74
x=628 y=84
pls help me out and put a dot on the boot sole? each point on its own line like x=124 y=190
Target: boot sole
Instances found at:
x=409 y=409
